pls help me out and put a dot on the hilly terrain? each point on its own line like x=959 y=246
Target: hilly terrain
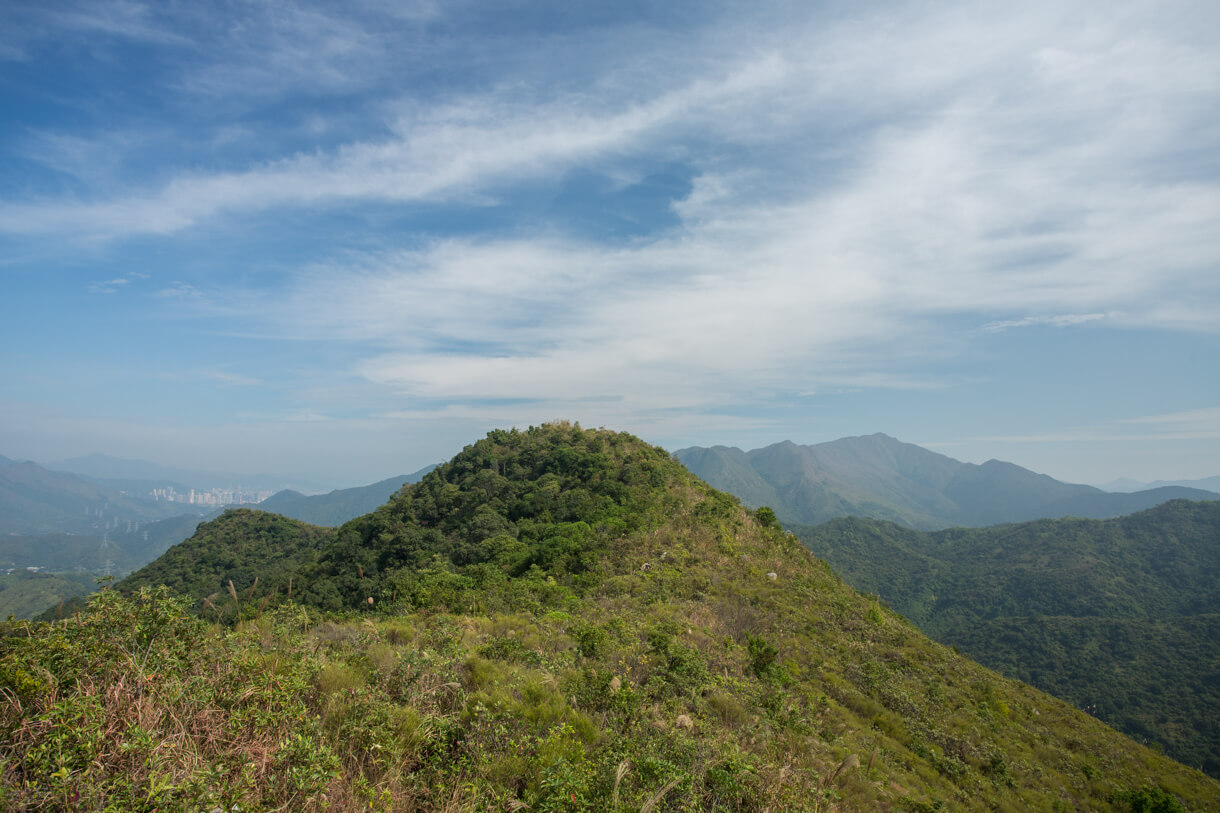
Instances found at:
x=880 y=477
x=1118 y=616
x=338 y=506
x=34 y=500
x=555 y=620
x=1204 y=483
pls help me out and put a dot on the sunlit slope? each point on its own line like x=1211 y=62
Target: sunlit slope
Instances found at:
x=570 y=620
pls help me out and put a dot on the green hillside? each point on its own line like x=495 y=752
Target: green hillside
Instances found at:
x=558 y=619
x=338 y=506
x=1117 y=616
x=34 y=500
x=880 y=477
x=238 y=547
x=25 y=595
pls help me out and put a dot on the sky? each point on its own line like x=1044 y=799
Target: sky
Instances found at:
x=347 y=240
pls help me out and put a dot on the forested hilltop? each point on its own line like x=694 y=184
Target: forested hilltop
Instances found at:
x=557 y=619
x=1118 y=616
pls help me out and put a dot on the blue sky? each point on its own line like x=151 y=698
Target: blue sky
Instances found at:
x=348 y=239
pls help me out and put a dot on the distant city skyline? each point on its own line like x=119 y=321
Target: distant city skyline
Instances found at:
x=344 y=242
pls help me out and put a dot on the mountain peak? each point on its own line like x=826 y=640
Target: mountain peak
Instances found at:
x=882 y=477
x=598 y=612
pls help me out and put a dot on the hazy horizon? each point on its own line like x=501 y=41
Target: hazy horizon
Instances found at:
x=287 y=238
x=321 y=481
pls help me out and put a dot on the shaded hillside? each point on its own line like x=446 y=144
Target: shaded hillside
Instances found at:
x=561 y=620
x=71 y=564
x=879 y=477
x=64 y=552
x=148 y=541
x=114 y=552
x=34 y=500
x=1104 y=506
x=25 y=595
x=338 y=506
x=1115 y=615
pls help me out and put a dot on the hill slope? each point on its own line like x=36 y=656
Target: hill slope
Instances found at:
x=1118 y=615
x=340 y=505
x=561 y=620
x=236 y=548
x=877 y=476
x=34 y=500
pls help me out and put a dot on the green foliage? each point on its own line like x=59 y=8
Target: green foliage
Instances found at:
x=240 y=546
x=655 y=667
x=1150 y=800
x=762 y=656
x=766 y=517
x=1116 y=616
x=25 y=595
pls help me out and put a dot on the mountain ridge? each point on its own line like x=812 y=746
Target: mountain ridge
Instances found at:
x=612 y=626
x=1076 y=606
x=35 y=500
x=881 y=477
x=340 y=505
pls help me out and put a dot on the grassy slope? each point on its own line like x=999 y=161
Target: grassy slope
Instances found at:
x=676 y=652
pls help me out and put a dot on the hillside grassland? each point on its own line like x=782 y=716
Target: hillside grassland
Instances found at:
x=558 y=619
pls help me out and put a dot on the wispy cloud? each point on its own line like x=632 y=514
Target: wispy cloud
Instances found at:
x=1058 y=320
x=1195 y=424
x=455 y=151
x=865 y=194
x=111 y=286
x=119 y=18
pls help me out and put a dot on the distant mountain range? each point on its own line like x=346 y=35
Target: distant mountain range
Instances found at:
x=338 y=506
x=59 y=522
x=123 y=473
x=880 y=477
x=35 y=500
x=1127 y=485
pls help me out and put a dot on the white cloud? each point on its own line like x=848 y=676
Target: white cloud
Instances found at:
x=111 y=286
x=1058 y=320
x=1188 y=424
x=859 y=187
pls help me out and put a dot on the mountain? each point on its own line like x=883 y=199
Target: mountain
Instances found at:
x=880 y=477
x=338 y=506
x=237 y=547
x=1119 y=616
x=34 y=500
x=556 y=619
x=106 y=468
x=1126 y=485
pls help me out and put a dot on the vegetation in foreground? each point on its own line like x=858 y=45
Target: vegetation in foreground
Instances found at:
x=560 y=620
